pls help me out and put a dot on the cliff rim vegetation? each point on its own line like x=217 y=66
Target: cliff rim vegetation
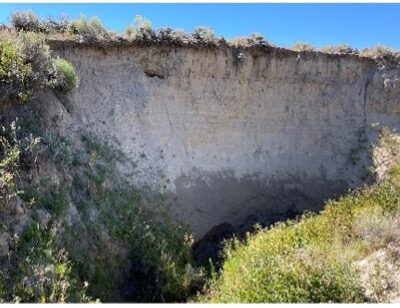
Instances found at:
x=90 y=31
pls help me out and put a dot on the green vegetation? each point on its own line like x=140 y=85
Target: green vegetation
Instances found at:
x=64 y=77
x=160 y=250
x=15 y=74
x=140 y=30
x=111 y=219
x=89 y=30
x=37 y=270
x=12 y=149
x=313 y=259
x=26 y=65
x=42 y=273
x=128 y=250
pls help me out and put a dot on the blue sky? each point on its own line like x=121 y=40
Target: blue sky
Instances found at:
x=360 y=25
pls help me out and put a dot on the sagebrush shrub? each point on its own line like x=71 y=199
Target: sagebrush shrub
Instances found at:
x=26 y=64
x=43 y=272
x=16 y=75
x=140 y=30
x=381 y=52
x=252 y=39
x=12 y=149
x=341 y=49
x=55 y=26
x=204 y=34
x=89 y=30
x=302 y=46
x=25 y=20
x=34 y=51
x=63 y=77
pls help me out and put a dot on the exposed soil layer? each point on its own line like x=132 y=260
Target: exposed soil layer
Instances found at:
x=277 y=132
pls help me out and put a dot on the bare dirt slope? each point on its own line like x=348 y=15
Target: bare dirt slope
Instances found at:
x=228 y=133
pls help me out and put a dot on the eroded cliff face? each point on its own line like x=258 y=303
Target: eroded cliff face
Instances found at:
x=232 y=139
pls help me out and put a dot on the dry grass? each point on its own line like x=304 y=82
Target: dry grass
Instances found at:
x=302 y=46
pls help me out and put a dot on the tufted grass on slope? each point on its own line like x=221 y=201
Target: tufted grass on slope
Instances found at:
x=313 y=259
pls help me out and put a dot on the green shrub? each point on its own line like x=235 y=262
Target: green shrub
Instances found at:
x=140 y=30
x=302 y=46
x=26 y=65
x=43 y=272
x=164 y=251
x=89 y=30
x=15 y=153
x=119 y=228
x=15 y=75
x=34 y=51
x=10 y=155
x=63 y=77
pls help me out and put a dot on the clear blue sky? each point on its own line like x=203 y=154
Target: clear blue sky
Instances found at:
x=360 y=25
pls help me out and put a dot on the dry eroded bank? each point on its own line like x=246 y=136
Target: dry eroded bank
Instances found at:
x=228 y=132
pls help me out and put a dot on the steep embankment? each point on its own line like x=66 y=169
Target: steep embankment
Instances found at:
x=227 y=133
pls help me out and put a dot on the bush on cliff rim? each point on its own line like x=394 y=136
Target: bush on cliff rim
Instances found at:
x=89 y=30
x=25 y=20
x=340 y=49
x=302 y=46
x=381 y=52
x=29 y=21
x=140 y=30
x=313 y=259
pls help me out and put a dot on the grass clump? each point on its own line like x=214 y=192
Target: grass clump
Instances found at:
x=312 y=259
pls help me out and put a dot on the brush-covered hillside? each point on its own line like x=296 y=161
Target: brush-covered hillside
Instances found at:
x=156 y=165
